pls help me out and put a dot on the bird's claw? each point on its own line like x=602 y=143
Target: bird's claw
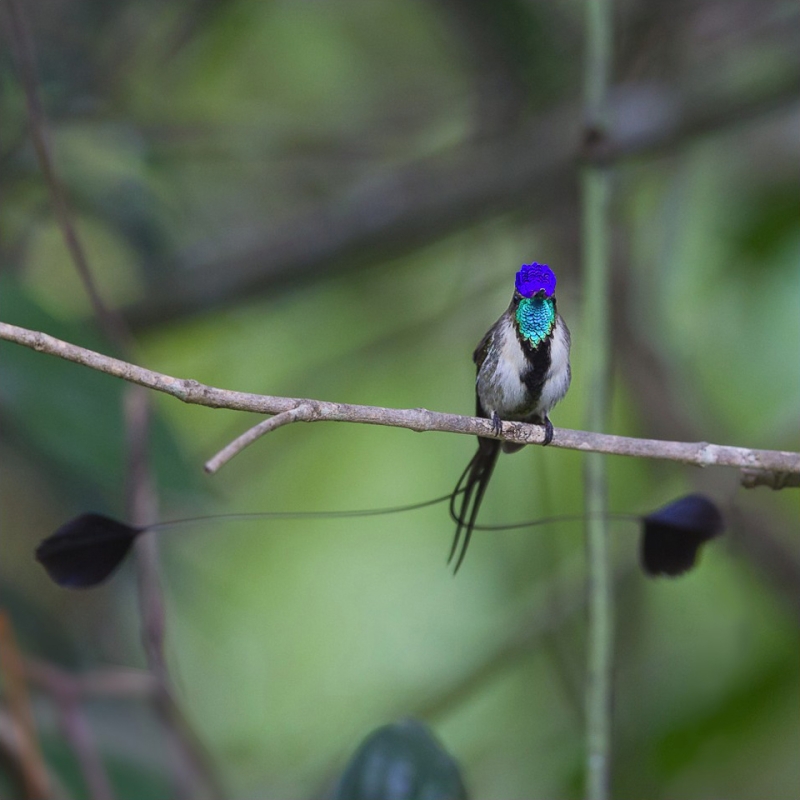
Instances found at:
x=497 y=424
x=548 y=431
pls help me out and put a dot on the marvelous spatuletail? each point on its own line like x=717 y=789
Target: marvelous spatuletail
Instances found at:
x=85 y=551
x=523 y=371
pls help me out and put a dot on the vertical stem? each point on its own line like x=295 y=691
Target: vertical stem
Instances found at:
x=601 y=623
x=598 y=61
x=595 y=196
x=193 y=772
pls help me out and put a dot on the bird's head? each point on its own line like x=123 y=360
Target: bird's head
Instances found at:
x=535 y=280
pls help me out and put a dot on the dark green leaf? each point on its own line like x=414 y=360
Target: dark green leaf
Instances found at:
x=403 y=761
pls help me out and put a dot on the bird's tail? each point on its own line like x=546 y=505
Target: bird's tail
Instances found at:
x=471 y=486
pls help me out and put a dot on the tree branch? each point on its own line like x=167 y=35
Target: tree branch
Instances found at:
x=301 y=413
x=700 y=454
x=425 y=200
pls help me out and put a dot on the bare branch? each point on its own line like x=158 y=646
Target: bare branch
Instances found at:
x=700 y=454
x=32 y=766
x=751 y=478
x=302 y=413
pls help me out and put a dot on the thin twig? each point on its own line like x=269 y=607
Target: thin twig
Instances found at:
x=596 y=197
x=130 y=683
x=301 y=413
x=22 y=47
x=66 y=692
x=31 y=763
x=78 y=733
x=701 y=454
x=193 y=767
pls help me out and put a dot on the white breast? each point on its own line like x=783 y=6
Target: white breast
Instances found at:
x=502 y=390
x=558 y=376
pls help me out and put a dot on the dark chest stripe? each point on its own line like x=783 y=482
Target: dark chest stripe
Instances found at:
x=538 y=364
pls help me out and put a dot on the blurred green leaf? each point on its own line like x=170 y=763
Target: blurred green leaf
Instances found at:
x=769 y=221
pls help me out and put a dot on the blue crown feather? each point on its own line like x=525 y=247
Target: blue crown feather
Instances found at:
x=535 y=277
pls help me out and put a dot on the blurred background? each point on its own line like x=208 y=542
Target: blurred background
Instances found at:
x=330 y=200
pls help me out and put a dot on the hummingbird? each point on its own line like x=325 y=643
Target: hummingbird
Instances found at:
x=523 y=371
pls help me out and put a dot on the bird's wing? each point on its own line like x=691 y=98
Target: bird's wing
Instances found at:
x=482 y=349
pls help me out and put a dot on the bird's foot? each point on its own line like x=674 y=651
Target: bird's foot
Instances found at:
x=497 y=424
x=548 y=431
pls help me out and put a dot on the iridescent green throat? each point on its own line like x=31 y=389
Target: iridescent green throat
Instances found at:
x=536 y=318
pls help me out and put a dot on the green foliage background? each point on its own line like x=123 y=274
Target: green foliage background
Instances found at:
x=191 y=136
